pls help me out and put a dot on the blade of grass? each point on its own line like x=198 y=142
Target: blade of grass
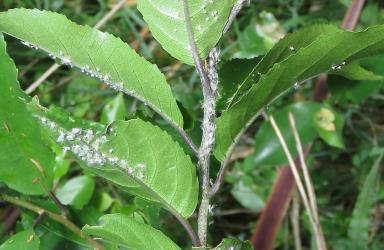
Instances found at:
x=299 y=184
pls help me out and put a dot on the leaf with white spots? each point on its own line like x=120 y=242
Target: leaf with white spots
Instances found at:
x=328 y=53
x=129 y=233
x=167 y=24
x=285 y=48
x=25 y=161
x=135 y=155
x=96 y=53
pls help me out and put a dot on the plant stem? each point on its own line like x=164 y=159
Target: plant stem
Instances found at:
x=192 y=44
x=209 y=86
x=59 y=218
x=187 y=140
x=189 y=229
x=235 y=10
x=204 y=155
x=220 y=176
x=52 y=196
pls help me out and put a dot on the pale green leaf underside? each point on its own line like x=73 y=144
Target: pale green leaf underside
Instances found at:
x=23 y=154
x=137 y=156
x=318 y=57
x=167 y=23
x=130 y=233
x=98 y=53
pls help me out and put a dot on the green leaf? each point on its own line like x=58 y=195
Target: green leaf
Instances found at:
x=285 y=48
x=114 y=110
x=135 y=155
x=268 y=150
x=247 y=197
x=318 y=57
x=230 y=74
x=234 y=244
x=167 y=24
x=26 y=240
x=29 y=218
x=311 y=118
x=345 y=91
x=150 y=211
x=359 y=227
x=354 y=71
x=130 y=233
x=23 y=155
x=99 y=54
x=102 y=201
x=330 y=125
x=77 y=191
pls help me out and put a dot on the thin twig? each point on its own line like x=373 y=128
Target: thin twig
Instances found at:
x=55 y=66
x=190 y=231
x=307 y=179
x=193 y=49
x=299 y=183
x=28 y=67
x=39 y=219
x=42 y=78
x=110 y=14
x=295 y=213
x=62 y=208
x=52 y=196
x=235 y=10
x=220 y=176
x=223 y=168
x=59 y=218
x=187 y=140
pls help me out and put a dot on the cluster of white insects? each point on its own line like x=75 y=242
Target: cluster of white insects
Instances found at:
x=31 y=46
x=91 y=71
x=338 y=67
x=87 y=146
x=214 y=14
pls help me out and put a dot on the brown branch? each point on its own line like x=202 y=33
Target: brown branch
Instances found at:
x=271 y=217
x=12 y=215
x=353 y=14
